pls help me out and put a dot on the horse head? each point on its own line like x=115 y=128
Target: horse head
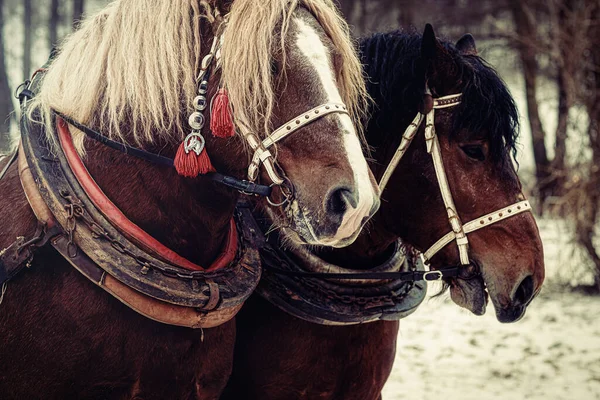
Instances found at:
x=476 y=136
x=299 y=77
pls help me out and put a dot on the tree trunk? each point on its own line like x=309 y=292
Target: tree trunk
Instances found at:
x=406 y=15
x=587 y=222
x=53 y=23
x=558 y=168
x=6 y=105
x=564 y=37
x=27 y=42
x=363 y=16
x=78 y=9
x=526 y=47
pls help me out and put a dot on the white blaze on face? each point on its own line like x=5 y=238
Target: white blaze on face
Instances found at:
x=310 y=45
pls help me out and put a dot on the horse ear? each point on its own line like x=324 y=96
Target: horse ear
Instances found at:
x=466 y=45
x=440 y=67
x=429 y=45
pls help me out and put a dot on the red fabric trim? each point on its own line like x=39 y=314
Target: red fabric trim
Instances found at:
x=127 y=227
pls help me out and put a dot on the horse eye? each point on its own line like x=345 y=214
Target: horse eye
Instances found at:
x=475 y=152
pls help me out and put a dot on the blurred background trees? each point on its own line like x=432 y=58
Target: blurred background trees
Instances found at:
x=28 y=30
x=548 y=51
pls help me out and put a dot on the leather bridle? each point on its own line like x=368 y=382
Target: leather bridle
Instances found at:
x=459 y=230
x=262 y=154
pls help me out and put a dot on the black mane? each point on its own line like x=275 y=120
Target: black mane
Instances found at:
x=396 y=80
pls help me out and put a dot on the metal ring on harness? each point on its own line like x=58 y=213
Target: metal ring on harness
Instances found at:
x=286 y=190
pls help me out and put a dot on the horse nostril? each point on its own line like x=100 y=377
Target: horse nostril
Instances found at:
x=339 y=199
x=524 y=292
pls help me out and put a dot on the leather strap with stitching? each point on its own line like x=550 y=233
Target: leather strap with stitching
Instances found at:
x=478 y=223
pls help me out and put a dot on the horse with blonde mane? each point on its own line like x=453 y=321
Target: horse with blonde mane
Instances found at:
x=282 y=89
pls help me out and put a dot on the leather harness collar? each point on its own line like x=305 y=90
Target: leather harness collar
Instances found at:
x=148 y=279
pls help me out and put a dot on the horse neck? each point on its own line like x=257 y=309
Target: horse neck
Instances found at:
x=189 y=216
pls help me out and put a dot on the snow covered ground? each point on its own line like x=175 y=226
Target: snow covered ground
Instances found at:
x=553 y=353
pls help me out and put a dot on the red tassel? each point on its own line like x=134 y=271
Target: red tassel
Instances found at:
x=221 y=122
x=190 y=164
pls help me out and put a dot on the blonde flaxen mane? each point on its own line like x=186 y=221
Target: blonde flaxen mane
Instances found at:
x=254 y=100
x=130 y=70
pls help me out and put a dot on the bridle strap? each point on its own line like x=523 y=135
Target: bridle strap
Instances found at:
x=459 y=231
x=433 y=148
x=478 y=223
x=407 y=137
x=411 y=132
x=262 y=154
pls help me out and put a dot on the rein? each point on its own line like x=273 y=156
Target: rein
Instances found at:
x=241 y=185
x=407 y=276
x=11 y=159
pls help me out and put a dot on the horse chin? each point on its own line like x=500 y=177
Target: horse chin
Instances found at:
x=297 y=229
x=303 y=235
x=470 y=294
x=510 y=314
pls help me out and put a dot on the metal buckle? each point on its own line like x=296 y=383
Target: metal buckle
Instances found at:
x=430 y=276
x=23 y=92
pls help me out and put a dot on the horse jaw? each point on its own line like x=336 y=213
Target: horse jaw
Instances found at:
x=470 y=294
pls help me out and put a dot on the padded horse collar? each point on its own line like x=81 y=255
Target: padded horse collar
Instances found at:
x=345 y=298
x=85 y=237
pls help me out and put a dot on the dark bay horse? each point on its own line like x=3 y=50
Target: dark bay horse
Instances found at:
x=279 y=356
x=132 y=73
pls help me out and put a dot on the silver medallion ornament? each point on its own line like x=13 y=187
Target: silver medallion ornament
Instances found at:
x=200 y=103
x=196 y=121
x=194 y=142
